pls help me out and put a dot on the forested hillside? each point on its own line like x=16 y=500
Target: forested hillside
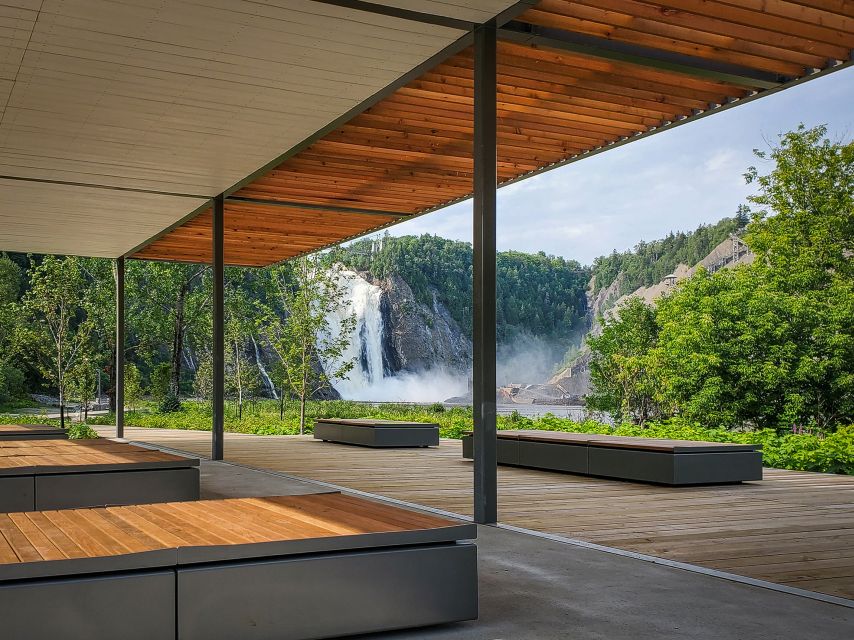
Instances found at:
x=767 y=344
x=649 y=262
x=538 y=294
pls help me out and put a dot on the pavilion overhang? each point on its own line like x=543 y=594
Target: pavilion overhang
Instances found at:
x=573 y=79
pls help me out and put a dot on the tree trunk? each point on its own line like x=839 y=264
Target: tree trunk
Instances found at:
x=239 y=381
x=61 y=408
x=111 y=381
x=302 y=414
x=178 y=342
x=282 y=404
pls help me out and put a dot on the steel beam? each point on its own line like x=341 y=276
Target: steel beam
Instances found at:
x=120 y=348
x=401 y=13
x=103 y=187
x=524 y=33
x=483 y=285
x=218 y=311
x=314 y=207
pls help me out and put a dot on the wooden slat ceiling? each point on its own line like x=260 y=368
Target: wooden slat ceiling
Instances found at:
x=558 y=100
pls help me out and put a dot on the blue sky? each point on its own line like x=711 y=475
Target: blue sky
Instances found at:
x=670 y=181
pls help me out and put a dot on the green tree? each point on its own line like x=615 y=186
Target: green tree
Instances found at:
x=55 y=334
x=297 y=328
x=622 y=369
x=133 y=386
x=241 y=319
x=11 y=377
x=168 y=302
x=770 y=344
x=82 y=380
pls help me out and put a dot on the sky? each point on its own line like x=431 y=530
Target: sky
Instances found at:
x=671 y=181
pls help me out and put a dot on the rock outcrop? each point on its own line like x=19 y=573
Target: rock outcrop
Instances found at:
x=418 y=337
x=574 y=380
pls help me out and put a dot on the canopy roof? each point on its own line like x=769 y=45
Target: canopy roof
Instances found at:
x=375 y=109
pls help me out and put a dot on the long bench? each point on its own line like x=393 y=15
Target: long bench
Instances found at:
x=31 y=432
x=670 y=462
x=63 y=474
x=296 y=567
x=368 y=432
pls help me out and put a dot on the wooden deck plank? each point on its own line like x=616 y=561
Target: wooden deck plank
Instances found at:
x=118 y=531
x=803 y=521
x=76 y=454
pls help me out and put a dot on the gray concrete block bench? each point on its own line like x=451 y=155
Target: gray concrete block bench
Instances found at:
x=296 y=567
x=669 y=462
x=377 y=433
x=37 y=475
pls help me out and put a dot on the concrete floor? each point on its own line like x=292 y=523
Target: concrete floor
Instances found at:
x=537 y=589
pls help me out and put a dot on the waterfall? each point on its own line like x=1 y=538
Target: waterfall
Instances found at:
x=271 y=388
x=366 y=347
x=369 y=380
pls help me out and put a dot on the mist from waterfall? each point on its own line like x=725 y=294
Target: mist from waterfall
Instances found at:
x=369 y=380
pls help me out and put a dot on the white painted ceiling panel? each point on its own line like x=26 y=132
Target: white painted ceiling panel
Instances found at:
x=37 y=218
x=178 y=96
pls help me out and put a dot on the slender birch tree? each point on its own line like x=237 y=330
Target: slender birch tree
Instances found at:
x=299 y=331
x=56 y=333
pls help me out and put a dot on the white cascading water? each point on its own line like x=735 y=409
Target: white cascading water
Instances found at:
x=367 y=380
x=271 y=388
x=366 y=345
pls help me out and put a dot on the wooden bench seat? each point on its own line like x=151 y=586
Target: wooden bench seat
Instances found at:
x=312 y=566
x=61 y=474
x=672 y=462
x=31 y=432
x=368 y=432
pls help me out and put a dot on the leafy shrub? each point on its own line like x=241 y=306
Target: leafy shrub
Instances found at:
x=81 y=431
x=170 y=403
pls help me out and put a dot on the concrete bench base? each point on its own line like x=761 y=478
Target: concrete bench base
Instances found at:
x=369 y=433
x=709 y=463
x=132 y=606
x=40 y=492
x=328 y=596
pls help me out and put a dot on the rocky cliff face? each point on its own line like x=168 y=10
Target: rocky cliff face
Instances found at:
x=418 y=337
x=574 y=380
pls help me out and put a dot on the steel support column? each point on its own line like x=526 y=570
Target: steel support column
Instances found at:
x=483 y=285
x=120 y=348
x=218 y=311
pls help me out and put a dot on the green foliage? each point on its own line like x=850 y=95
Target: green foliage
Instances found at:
x=28 y=418
x=622 y=367
x=158 y=382
x=133 y=386
x=11 y=383
x=537 y=294
x=800 y=450
x=170 y=403
x=649 y=262
x=766 y=345
x=57 y=312
x=81 y=431
x=10 y=280
x=11 y=377
x=297 y=327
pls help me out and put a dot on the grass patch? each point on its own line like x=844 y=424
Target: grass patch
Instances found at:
x=830 y=452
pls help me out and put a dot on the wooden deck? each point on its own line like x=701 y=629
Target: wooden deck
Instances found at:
x=30 y=455
x=792 y=528
x=44 y=536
